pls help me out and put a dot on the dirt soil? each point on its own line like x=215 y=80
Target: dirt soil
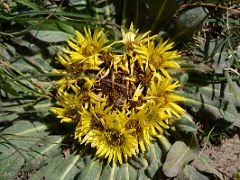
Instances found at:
x=226 y=157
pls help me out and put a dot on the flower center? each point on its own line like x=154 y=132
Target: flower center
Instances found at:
x=114 y=138
x=73 y=114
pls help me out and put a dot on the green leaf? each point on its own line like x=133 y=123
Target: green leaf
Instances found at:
x=164 y=142
x=62 y=168
x=105 y=10
x=11 y=159
x=190 y=173
x=195 y=71
x=188 y=22
x=235 y=89
x=16 y=145
x=213 y=102
x=185 y=124
x=43 y=152
x=126 y=172
x=209 y=48
x=27 y=128
x=109 y=172
x=8 y=116
x=177 y=157
x=91 y=171
x=29 y=4
x=65 y=27
x=203 y=164
x=5 y=85
x=51 y=36
x=154 y=156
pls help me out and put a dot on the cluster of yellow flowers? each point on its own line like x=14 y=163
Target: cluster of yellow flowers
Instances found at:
x=118 y=100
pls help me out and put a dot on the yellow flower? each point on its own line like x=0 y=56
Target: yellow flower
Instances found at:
x=87 y=46
x=156 y=116
x=160 y=57
x=91 y=119
x=83 y=53
x=132 y=37
x=71 y=107
x=138 y=121
x=118 y=101
x=107 y=133
x=161 y=90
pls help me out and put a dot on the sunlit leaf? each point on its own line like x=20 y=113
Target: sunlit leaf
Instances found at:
x=213 y=102
x=203 y=163
x=188 y=22
x=177 y=157
x=51 y=36
x=62 y=168
x=191 y=173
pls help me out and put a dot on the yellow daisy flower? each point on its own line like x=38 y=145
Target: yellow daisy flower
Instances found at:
x=82 y=53
x=132 y=37
x=138 y=121
x=91 y=119
x=161 y=90
x=158 y=57
x=119 y=101
x=107 y=133
x=85 y=48
x=157 y=116
x=71 y=107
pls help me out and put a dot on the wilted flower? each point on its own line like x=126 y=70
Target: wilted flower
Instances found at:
x=118 y=101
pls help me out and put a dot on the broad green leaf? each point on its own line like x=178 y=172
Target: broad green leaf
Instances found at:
x=138 y=162
x=11 y=159
x=190 y=173
x=5 y=85
x=65 y=27
x=91 y=171
x=195 y=71
x=16 y=144
x=60 y=168
x=213 y=102
x=109 y=172
x=77 y=3
x=84 y=17
x=43 y=152
x=154 y=156
x=191 y=18
x=126 y=172
x=210 y=48
x=142 y=175
x=103 y=10
x=164 y=142
x=27 y=128
x=234 y=88
x=29 y=4
x=221 y=61
x=185 y=124
x=188 y=22
x=177 y=157
x=203 y=163
x=51 y=36
x=8 y=116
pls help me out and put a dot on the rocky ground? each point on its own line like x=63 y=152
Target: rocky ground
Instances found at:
x=226 y=157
